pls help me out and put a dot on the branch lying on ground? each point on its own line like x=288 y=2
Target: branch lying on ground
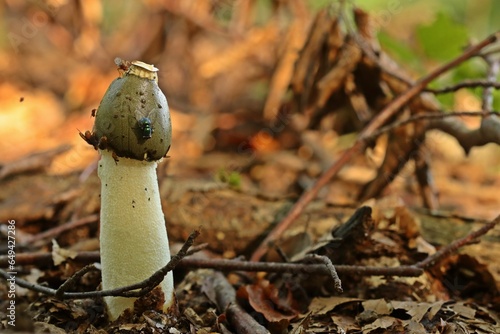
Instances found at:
x=45 y=259
x=411 y=270
x=54 y=232
x=242 y=265
x=379 y=120
x=455 y=245
x=225 y=299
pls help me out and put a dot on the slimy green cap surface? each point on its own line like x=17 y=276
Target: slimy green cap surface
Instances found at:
x=133 y=119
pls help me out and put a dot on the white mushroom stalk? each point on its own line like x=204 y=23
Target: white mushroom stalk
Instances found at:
x=133 y=132
x=133 y=237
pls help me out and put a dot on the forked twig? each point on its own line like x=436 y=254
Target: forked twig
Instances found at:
x=455 y=245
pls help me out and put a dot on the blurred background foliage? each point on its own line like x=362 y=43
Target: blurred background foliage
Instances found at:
x=422 y=34
x=216 y=59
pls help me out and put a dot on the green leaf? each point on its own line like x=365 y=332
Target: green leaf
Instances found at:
x=401 y=50
x=232 y=178
x=443 y=39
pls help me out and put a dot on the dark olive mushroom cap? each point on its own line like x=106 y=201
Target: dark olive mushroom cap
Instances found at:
x=129 y=99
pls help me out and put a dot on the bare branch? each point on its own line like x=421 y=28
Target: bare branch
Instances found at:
x=464 y=84
x=70 y=282
x=455 y=245
x=488 y=132
x=329 y=265
x=423 y=116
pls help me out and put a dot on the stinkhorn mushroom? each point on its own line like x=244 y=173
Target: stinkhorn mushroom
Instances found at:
x=133 y=133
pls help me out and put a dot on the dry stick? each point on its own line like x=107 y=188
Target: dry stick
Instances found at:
x=54 y=232
x=296 y=268
x=329 y=265
x=149 y=284
x=450 y=215
x=464 y=84
x=455 y=245
x=360 y=143
x=304 y=200
x=197 y=248
x=71 y=282
x=241 y=265
x=44 y=259
x=419 y=117
x=225 y=296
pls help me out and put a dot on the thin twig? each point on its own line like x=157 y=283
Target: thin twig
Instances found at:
x=378 y=121
x=450 y=215
x=422 y=116
x=220 y=264
x=464 y=84
x=44 y=259
x=329 y=265
x=296 y=268
x=196 y=249
x=70 y=282
x=242 y=265
x=455 y=245
x=53 y=232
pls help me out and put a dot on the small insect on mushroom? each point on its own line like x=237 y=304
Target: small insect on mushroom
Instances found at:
x=90 y=138
x=103 y=143
x=145 y=127
x=123 y=66
x=92 y=113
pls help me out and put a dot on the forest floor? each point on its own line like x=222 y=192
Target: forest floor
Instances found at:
x=273 y=127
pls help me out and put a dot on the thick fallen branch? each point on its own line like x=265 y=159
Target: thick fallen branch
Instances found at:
x=225 y=299
x=488 y=131
x=432 y=116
